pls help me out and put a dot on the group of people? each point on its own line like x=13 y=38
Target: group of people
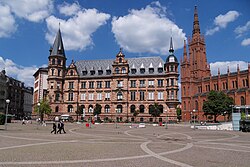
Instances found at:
x=60 y=128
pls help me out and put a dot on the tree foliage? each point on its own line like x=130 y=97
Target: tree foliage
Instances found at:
x=44 y=108
x=136 y=113
x=155 y=110
x=97 y=109
x=178 y=113
x=217 y=103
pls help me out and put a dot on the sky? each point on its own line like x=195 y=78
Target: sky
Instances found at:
x=97 y=29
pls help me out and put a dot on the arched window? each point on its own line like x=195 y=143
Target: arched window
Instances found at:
x=123 y=70
x=53 y=62
x=58 y=61
x=117 y=70
x=141 y=108
x=119 y=109
x=107 y=108
x=90 y=109
x=71 y=72
x=120 y=60
x=161 y=108
x=242 y=101
x=119 y=96
x=132 y=108
x=70 y=108
x=151 y=109
x=57 y=109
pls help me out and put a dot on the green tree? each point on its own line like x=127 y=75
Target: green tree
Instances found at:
x=44 y=108
x=79 y=111
x=178 y=113
x=217 y=103
x=155 y=110
x=97 y=110
x=135 y=114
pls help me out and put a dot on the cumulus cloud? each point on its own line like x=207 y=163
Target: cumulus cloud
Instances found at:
x=24 y=74
x=223 y=66
x=32 y=10
x=240 y=30
x=69 y=9
x=222 y=21
x=7 y=21
x=147 y=30
x=77 y=30
x=245 y=42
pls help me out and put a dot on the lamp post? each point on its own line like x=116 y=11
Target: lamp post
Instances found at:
x=116 y=118
x=166 y=124
x=225 y=116
x=194 y=118
x=6 y=116
x=38 y=120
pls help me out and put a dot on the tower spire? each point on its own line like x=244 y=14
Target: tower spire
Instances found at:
x=171 y=49
x=58 y=48
x=185 y=52
x=196 y=26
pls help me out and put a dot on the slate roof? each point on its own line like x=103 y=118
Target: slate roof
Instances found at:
x=58 y=48
x=134 y=63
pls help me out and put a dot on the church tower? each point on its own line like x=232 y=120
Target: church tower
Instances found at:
x=56 y=73
x=193 y=68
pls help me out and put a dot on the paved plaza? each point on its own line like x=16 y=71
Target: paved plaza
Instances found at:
x=105 y=145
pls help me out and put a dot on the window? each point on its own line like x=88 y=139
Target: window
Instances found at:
x=141 y=108
x=142 y=95
x=52 y=71
x=124 y=70
x=117 y=70
x=71 y=85
x=107 y=84
x=83 y=96
x=119 y=84
x=133 y=83
x=84 y=72
x=142 y=70
x=57 y=109
x=91 y=109
x=83 y=85
x=91 y=96
x=133 y=71
x=99 y=84
x=107 y=109
x=59 y=73
x=150 y=95
x=71 y=96
x=171 y=68
x=119 y=109
x=160 y=70
x=53 y=62
x=151 y=70
x=57 y=97
x=132 y=108
x=161 y=108
x=58 y=61
x=160 y=95
x=119 y=96
x=58 y=85
x=108 y=72
x=172 y=82
x=242 y=101
x=120 y=60
x=151 y=83
x=92 y=72
x=100 y=72
x=160 y=82
x=70 y=108
x=107 y=96
x=71 y=72
x=132 y=95
x=91 y=84
x=142 y=83
x=99 y=96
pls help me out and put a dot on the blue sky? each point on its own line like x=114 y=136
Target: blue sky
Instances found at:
x=96 y=29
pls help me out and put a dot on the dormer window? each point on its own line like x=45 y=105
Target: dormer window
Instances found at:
x=100 y=72
x=108 y=72
x=84 y=72
x=160 y=70
x=124 y=70
x=120 y=60
x=133 y=71
x=117 y=70
x=142 y=70
x=92 y=72
x=151 y=70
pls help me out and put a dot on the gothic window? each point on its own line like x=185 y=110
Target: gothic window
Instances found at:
x=132 y=108
x=141 y=108
x=119 y=109
x=119 y=96
x=71 y=85
x=107 y=108
x=90 y=109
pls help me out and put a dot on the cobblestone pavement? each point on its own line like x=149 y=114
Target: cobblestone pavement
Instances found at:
x=105 y=145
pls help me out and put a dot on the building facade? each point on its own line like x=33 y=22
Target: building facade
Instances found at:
x=121 y=86
x=3 y=91
x=197 y=81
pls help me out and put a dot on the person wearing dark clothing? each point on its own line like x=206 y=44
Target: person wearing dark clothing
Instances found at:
x=62 y=127
x=54 y=128
x=59 y=128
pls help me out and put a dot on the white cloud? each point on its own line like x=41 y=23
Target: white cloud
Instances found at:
x=24 y=74
x=221 y=21
x=245 y=42
x=7 y=22
x=223 y=66
x=147 y=30
x=32 y=10
x=240 y=30
x=69 y=9
x=77 y=30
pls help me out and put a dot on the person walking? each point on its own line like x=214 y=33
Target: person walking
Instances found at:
x=62 y=127
x=54 y=128
x=59 y=128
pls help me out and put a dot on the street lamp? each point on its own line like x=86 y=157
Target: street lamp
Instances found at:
x=38 y=120
x=194 y=118
x=166 y=124
x=7 y=107
x=225 y=116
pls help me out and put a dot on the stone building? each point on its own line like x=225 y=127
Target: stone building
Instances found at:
x=197 y=81
x=121 y=85
x=3 y=91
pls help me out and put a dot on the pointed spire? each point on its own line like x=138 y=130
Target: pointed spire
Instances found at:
x=171 y=49
x=58 y=48
x=120 y=54
x=185 y=52
x=196 y=26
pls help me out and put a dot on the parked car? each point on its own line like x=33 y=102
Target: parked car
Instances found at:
x=66 y=117
x=245 y=125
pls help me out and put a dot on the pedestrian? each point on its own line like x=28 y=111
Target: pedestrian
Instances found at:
x=62 y=127
x=44 y=123
x=59 y=128
x=23 y=123
x=54 y=128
